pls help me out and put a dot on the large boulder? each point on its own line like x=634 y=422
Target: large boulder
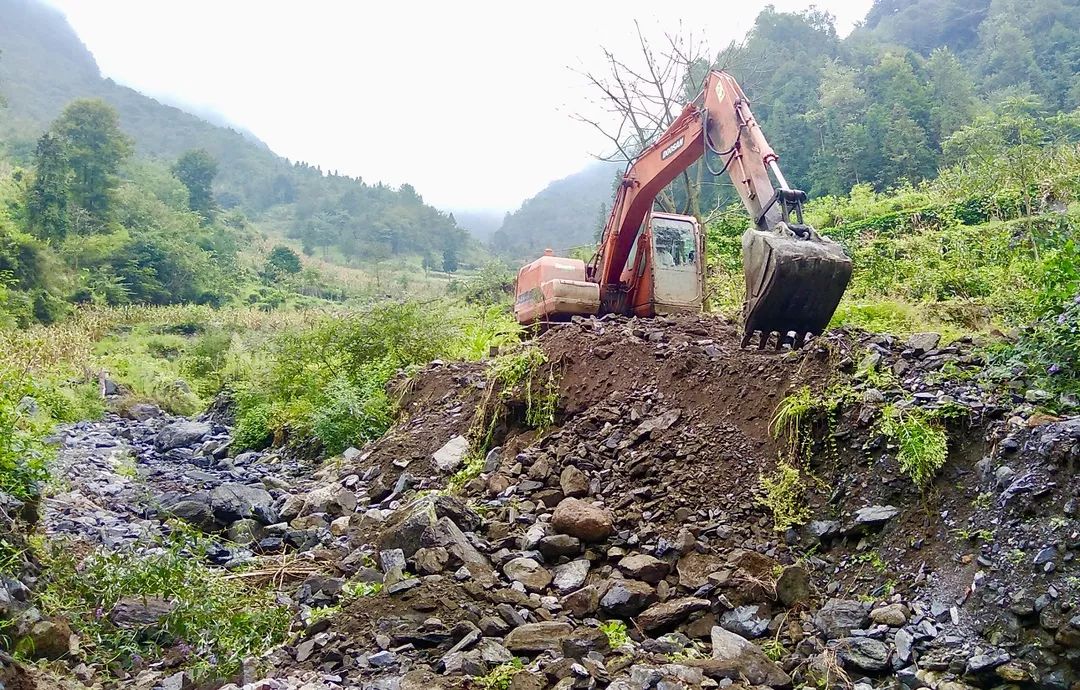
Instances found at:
x=582 y=520
x=446 y=534
x=451 y=455
x=233 y=501
x=180 y=434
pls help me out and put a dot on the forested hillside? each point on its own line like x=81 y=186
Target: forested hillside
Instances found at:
x=44 y=66
x=567 y=213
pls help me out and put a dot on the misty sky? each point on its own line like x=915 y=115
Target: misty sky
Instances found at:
x=468 y=101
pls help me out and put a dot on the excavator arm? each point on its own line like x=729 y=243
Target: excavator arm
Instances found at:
x=794 y=277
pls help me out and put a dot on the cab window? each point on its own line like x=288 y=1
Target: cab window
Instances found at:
x=674 y=247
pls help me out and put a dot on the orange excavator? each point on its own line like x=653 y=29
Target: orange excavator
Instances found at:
x=651 y=263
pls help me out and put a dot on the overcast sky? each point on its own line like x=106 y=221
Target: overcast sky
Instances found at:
x=470 y=102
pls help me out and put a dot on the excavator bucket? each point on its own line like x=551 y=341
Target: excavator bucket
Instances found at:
x=794 y=282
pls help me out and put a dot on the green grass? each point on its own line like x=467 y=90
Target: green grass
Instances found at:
x=615 y=631
x=216 y=624
x=922 y=444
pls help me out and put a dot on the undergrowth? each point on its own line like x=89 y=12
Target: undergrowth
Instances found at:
x=217 y=622
x=922 y=443
x=616 y=633
x=500 y=677
x=784 y=495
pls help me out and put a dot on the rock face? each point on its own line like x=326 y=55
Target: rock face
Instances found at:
x=183 y=433
x=583 y=520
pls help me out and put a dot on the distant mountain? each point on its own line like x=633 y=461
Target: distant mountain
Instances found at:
x=567 y=213
x=481 y=224
x=44 y=66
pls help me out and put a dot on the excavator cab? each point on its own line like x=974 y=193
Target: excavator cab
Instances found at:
x=666 y=266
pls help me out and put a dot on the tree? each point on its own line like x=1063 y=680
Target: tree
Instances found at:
x=197 y=169
x=47 y=199
x=450 y=259
x=282 y=261
x=95 y=146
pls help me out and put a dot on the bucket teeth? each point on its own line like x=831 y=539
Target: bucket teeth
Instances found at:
x=793 y=285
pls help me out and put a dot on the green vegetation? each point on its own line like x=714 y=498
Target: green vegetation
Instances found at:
x=923 y=445
x=500 y=677
x=783 y=494
x=356 y=589
x=615 y=631
x=215 y=623
x=872 y=559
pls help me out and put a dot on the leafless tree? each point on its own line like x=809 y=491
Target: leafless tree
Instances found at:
x=638 y=96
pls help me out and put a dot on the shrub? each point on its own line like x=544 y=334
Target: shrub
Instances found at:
x=23 y=453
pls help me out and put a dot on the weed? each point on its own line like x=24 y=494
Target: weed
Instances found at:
x=774 y=649
x=524 y=369
x=218 y=620
x=356 y=589
x=126 y=467
x=790 y=416
x=471 y=468
x=500 y=677
x=873 y=559
x=923 y=444
x=1016 y=556
x=783 y=495
x=615 y=632
x=983 y=501
x=321 y=613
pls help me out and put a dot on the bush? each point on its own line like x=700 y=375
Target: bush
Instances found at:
x=23 y=453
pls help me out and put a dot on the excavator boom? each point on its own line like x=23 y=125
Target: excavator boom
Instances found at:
x=646 y=261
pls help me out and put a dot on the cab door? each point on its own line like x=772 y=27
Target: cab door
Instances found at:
x=676 y=263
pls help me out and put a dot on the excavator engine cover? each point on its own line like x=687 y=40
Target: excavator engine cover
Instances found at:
x=794 y=282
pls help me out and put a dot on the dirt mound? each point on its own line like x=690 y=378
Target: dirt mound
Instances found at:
x=644 y=504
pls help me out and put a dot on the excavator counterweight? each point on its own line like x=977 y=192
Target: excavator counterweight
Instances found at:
x=650 y=262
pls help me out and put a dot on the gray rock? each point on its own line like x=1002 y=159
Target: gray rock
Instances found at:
x=863 y=653
x=571 y=576
x=140 y=612
x=430 y=561
x=447 y=534
x=182 y=433
x=838 y=617
x=745 y=621
x=735 y=658
x=529 y=573
x=195 y=509
x=669 y=613
x=823 y=530
x=627 y=597
x=922 y=343
x=333 y=500
x=903 y=641
x=450 y=456
x=405 y=526
x=982 y=663
x=640 y=566
x=875 y=516
x=233 y=501
x=538 y=637
x=793 y=586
